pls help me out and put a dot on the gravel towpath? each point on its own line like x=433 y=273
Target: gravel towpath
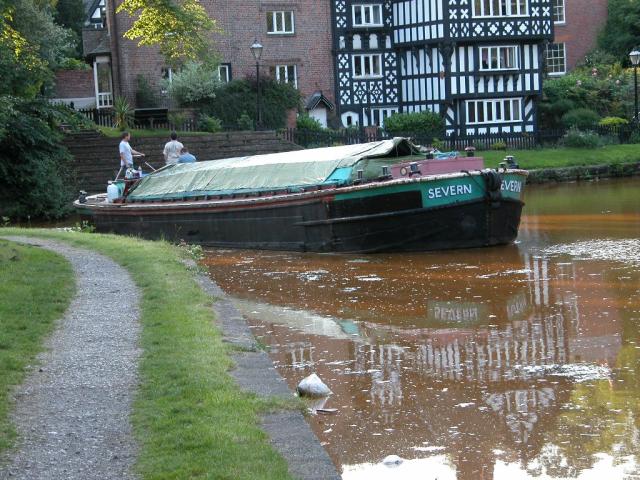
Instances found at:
x=72 y=412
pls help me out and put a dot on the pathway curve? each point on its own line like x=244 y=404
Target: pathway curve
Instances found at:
x=72 y=413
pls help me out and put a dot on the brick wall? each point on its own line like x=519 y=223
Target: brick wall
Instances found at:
x=309 y=48
x=584 y=20
x=74 y=84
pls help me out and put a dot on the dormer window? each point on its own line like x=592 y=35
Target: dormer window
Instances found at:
x=500 y=8
x=499 y=58
x=367 y=15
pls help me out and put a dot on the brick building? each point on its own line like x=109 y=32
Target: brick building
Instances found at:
x=295 y=34
x=577 y=24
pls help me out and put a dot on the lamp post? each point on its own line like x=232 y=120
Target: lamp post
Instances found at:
x=634 y=56
x=256 y=50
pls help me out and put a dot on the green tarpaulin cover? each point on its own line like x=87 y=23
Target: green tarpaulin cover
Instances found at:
x=268 y=172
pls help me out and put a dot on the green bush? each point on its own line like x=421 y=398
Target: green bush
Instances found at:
x=421 y=124
x=35 y=175
x=177 y=120
x=635 y=137
x=207 y=123
x=145 y=96
x=613 y=121
x=305 y=122
x=239 y=97
x=194 y=84
x=576 y=138
x=499 y=146
x=581 y=118
x=245 y=122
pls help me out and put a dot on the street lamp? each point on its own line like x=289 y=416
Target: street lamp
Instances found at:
x=256 y=50
x=634 y=56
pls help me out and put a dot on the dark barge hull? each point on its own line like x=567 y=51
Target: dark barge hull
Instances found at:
x=322 y=225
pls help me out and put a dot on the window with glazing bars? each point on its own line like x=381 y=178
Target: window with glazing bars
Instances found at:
x=558 y=11
x=556 y=56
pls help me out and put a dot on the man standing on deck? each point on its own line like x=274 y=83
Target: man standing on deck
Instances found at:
x=126 y=152
x=172 y=150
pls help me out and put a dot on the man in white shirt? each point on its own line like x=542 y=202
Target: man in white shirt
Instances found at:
x=172 y=150
x=126 y=152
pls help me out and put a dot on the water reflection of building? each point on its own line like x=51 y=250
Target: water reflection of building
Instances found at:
x=467 y=377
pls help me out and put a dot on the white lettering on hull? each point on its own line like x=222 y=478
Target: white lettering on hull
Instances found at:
x=449 y=191
x=511 y=186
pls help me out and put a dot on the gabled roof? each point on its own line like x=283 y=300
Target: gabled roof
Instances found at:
x=317 y=99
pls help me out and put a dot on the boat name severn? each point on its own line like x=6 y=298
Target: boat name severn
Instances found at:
x=449 y=191
x=511 y=186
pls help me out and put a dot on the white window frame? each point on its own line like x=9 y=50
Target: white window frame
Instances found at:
x=370 y=65
x=278 y=20
x=500 y=8
x=554 y=48
x=367 y=11
x=287 y=74
x=558 y=12
x=493 y=111
x=498 y=52
x=224 y=73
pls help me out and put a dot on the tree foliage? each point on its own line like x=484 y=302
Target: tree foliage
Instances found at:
x=180 y=28
x=621 y=33
x=34 y=173
x=35 y=177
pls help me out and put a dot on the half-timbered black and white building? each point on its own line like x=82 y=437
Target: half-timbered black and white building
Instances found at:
x=478 y=63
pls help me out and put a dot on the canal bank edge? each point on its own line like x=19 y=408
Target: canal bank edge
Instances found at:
x=583 y=173
x=288 y=430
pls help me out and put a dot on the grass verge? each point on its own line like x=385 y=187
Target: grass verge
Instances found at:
x=190 y=418
x=164 y=133
x=565 y=157
x=36 y=287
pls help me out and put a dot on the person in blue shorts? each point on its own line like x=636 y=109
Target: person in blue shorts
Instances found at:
x=185 y=156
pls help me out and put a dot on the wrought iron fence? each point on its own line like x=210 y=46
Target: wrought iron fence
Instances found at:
x=106 y=118
x=520 y=141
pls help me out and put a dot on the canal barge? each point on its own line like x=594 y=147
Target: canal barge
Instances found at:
x=376 y=197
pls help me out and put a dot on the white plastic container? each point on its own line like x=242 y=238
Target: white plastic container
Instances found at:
x=112 y=192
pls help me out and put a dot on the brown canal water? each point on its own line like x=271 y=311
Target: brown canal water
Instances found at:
x=515 y=362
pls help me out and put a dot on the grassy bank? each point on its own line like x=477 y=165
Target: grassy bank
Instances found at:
x=36 y=287
x=138 y=133
x=190 y=418
x=565 y=157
